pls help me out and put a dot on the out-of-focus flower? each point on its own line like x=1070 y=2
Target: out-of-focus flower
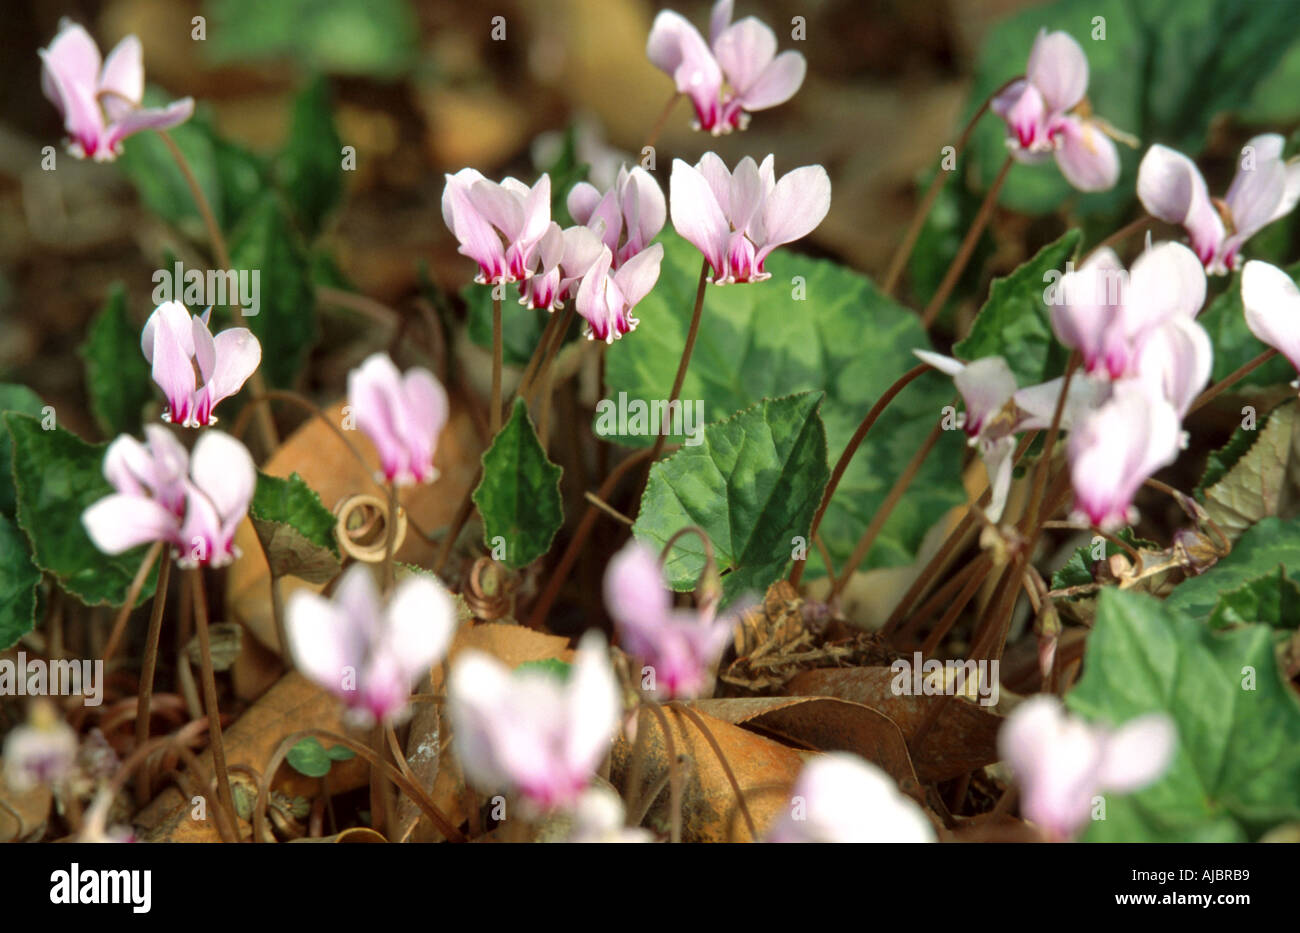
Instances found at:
x=162 y=494
x=682 y=646
x=401 y=414
x=499 y=225
x=1047 y=114
x=528 y=730
x=599 y=817
x=841 y=798
x=1117 y=448
x=365 y=653
x=42 y=751
x=1265 y=189
x=1105 y=313
x=1272 y=304
x=177 y=344
x=95 y=828
x=996 y=411
x=629 y=215
x=606 y=298
x=737 y=219
x=101 y=103
x=1062 y=762
x=738 y=71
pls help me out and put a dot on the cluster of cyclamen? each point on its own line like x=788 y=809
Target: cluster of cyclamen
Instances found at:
x=606 y=262
x=1145 y=358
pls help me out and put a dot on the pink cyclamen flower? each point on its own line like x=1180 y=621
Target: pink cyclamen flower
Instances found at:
x=1118 y=447
x=499 y=225
x=100 y=105
x=629 y=215
x=528 y=730
x=364 y=652
x=563 y=258
x=839 y=797
x=1272 y=305
x=1040 y=112
x=681 y=646
x=1105 y=312
x=194 y=503
x=1176 y=360
x=177 y=344
x=42 y=751
x=599 y=817
x=606 y=298
x=735 y=73
x=401 y=414
x=737 y=219
x=1063 y=762
x=996 y=410
x=1265 y=189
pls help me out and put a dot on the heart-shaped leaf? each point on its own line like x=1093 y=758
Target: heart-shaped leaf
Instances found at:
x=295 y=528
x=1235 y=770
x=752 y=486
x=118 y=378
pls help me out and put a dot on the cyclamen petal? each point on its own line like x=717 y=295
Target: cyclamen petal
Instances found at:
x=1086 y=156
x=1272 y=306
x=1058 y=69
x=1117 y=448
x=101 y=107
x=1172 y=189
x=223 y=478
x=839 y=797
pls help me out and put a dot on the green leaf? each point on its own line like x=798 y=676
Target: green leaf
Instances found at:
x=554 y=666
x=378 y=38
x=752 y=486
x=1273 y=599
x=24 y=401
x=1272 y=543
x=1164 y=69
x=285 y=322
x=1255 y=486
x=58 y=477
x=1015 y=323
x=814 y=326
x=519 y=495
x=521 y=328
x=1234 y=345
x=312 y=759
x=118 y=378
x=1077 y=571
x=310 y=166
x=18 y=580
x=1235 y=771
x=295 y=528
